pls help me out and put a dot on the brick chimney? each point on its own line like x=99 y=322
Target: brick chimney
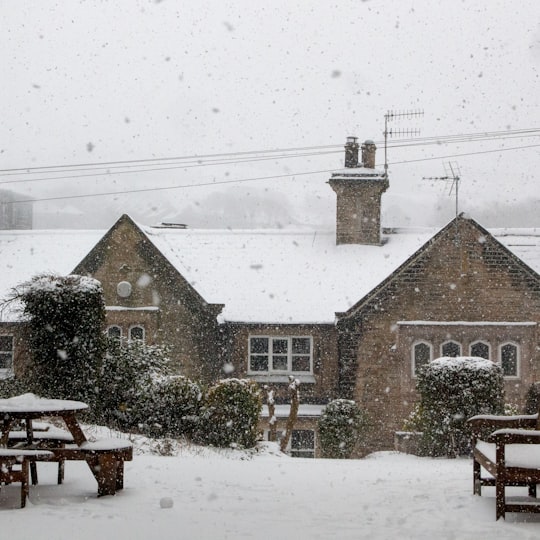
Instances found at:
x=359 y=190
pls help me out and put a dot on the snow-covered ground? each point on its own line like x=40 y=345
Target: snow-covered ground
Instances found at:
x=206 y=494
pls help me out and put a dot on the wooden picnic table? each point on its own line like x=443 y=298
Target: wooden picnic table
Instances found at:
x=105 y=457
x=29 y=407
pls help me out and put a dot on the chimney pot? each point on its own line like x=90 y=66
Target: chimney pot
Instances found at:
x=368 y=154
x=351 y=152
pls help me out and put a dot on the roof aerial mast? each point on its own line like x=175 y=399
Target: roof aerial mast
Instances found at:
x=453 y=175
x=397 y=115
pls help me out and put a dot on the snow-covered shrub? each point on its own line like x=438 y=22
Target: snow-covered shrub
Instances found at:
x=127 y=383
x=66 y=316
x=230 y=414
x=175 y=408
x=12 y=386
x=341 y=426
x=451 y=391
x=532 y=401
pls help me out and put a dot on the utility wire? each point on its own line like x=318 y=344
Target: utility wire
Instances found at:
x=153 y=169
x=284 y=152
x=241 y=180
x=198 y=163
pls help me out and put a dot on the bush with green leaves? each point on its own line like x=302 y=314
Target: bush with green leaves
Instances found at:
x=127 y=382
x=66 y=317
x=230 y=414
x=532 y=399
x=12 y=386
x=174 y=408
x=451 y=391
x=341 y=426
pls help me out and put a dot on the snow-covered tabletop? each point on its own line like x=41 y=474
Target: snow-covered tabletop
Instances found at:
x=32 y=404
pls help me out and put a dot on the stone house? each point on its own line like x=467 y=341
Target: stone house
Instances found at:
x=351 y=313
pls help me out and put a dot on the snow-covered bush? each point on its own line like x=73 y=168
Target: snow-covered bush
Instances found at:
x=451 y=391
x=127 y=383
x=66 y=316
x=341 y=426
x=230 y=414
x=532 y=400
x=12 y=386
x=175 y=408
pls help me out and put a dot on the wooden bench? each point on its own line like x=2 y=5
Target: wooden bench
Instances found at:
x=105 y=458
x=44 y=439
x=14 y=465
x=510 y=453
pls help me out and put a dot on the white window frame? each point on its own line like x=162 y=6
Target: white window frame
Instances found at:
x=413 y=354
x=452 y=341
x=131 y=328
x=5 y=372
x=518 y=359
x=482 y=342
x=290 y=355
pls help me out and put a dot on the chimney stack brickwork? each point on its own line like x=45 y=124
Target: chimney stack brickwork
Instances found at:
x=359 y=192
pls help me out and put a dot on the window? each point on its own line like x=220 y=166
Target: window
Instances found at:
x=6 y=353
x=421 y=355
x=280 y=354
x=480 y=349
x=303 y=443
x=451 y=349
x=136 y=333
x=509 y=359
x=114 y=332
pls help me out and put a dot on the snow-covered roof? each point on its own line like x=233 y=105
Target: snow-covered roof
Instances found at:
x=272 y=276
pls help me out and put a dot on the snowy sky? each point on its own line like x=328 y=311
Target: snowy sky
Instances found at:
x=94 y=81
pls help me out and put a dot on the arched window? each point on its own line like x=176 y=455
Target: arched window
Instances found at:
x=451 y=349
x=136 y=333
x=509 y=355
x=421 y=355
x=114 y=332
x=480 y=349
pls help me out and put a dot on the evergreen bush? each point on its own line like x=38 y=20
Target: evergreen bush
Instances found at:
x=451 y=391
x=127 y=383
x=66 y=316
x=532 y=400
x=341 y=426
x=175 y=408
x=230 y=414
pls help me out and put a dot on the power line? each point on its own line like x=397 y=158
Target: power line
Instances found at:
x=241 y=180
x=150 y=160
x=202 y=160
x=467 y=154
x=163 y=168
x=144 y=190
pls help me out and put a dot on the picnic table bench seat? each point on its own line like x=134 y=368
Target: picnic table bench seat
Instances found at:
x=106 y=460
x=14 y=464
x=511 y=455
x=42 y=439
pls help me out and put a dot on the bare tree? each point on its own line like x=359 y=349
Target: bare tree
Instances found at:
x=272 y=428
x=294 y=391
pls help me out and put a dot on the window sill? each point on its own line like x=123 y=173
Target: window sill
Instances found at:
x=304 y=378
